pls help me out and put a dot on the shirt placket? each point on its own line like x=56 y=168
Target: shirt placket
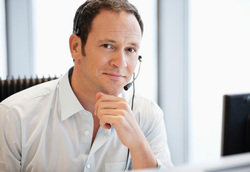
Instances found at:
x=86 y=139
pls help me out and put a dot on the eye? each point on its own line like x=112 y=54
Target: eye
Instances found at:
x=132 y=50
x=107 y=46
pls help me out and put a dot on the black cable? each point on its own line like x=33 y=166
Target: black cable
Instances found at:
x=127 y=161
x=132 y=107
x=133 y=96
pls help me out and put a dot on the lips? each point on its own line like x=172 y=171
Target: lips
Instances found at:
x=115 y=76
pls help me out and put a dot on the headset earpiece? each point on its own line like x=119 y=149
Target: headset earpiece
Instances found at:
x=126 y=87
x=140 y=58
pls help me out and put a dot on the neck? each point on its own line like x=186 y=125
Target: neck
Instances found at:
x=85 y=97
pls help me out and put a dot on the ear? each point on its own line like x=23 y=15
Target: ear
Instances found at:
x=75 y=46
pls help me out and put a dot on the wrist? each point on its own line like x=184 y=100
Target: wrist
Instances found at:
x=142 y=155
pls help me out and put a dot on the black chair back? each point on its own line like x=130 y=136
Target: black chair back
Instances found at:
x=12 y=85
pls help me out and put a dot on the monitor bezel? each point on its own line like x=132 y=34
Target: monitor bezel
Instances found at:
x=235 y=104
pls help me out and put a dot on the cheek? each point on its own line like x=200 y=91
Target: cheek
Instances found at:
x=133 y=65
x=89 y=67
x=99 y=66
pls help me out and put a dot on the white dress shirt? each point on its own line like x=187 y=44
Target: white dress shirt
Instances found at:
x=45 y=128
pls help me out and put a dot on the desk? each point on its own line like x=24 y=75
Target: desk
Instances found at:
x=233 y=163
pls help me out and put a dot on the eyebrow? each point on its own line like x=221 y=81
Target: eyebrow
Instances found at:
x=107 y=40
x=113 y=41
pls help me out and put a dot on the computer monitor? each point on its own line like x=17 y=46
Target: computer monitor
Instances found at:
x=236 y=124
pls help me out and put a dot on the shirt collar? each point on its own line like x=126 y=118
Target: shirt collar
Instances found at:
x=69 y=102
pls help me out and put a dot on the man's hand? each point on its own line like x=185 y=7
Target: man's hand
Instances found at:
x=115 y=111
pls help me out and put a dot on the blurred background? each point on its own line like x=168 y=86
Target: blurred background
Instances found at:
x=194 y=52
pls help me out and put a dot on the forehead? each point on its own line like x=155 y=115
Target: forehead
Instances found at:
x=116 y=24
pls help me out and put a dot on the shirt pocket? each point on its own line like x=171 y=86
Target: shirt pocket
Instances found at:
x=115 y=166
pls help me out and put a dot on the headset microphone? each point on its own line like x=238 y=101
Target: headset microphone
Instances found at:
x=126 y=87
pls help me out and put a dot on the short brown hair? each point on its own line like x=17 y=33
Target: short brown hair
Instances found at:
x=86 y=13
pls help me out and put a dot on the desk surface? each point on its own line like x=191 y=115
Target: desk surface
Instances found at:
x=233 y=163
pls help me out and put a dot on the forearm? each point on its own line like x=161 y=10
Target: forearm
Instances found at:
x=142 y=156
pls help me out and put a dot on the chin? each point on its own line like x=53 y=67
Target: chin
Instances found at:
x=114 y=92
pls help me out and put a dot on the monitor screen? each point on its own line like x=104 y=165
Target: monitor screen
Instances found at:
x=236 y=124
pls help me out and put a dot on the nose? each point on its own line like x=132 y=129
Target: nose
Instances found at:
x=119 y=60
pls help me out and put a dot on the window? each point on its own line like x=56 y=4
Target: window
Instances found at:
x=219 y=64
x=3 y=52
x=52 y=26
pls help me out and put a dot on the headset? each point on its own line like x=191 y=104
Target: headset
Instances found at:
x=126 y=87
x=76 y=29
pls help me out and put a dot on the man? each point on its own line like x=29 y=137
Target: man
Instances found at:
x=83 y=121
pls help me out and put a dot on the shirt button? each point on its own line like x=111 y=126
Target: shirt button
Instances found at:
x=86 y=133
x=88 y=165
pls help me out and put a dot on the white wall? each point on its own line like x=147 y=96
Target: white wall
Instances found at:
x=53 y=23
x=204 y=54
x=219 y=63
x=173 y=76
x=147 y=81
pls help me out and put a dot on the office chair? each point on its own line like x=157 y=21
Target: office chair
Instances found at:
x=10 y=86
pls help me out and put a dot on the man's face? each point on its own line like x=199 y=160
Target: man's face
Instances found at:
x=111 y=52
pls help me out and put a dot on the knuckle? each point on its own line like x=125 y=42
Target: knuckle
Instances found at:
x=120 y=119
x=124 y=105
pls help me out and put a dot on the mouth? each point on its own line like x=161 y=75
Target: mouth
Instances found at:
x=115 y=76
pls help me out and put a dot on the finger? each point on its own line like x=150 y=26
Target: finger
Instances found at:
x=107 y=120
x=111 y=112
x=106 y=126
x=106 y=116
x=108 y=101
x=101 y=97
x=107 y=98
x=112 y=108
x=98 y=95
x=113 y=105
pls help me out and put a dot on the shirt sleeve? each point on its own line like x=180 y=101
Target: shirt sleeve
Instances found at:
x=10 y=136
x=153 y=126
